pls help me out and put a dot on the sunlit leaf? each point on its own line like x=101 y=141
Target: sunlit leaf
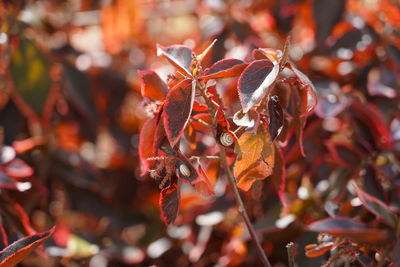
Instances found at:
x=254 y=82
x=255 y=159
x=152 y=86
x=225 y=68
x=146 y=143
x=177 y=110
x=178 y=55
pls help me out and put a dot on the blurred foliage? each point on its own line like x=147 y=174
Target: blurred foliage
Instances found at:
x=71 y=111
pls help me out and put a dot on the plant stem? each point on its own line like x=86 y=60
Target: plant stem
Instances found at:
x=242 y=209
x=290 y=248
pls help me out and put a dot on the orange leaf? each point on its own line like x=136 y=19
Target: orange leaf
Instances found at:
x=255 y=158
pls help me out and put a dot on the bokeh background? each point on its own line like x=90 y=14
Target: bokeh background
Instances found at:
x=71 y=111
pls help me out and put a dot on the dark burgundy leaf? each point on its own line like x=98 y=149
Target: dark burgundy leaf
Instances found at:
x=169 y=203
x=152 y=86
x=178 y=55
x=17 y=251
x=326 y=14
x=347 y=228
x=146 y=142
x=275 y=113
x=17 y=168
x=279 y=175
x=371 y=116
x=177 y=110
x=15 y=213
x=377 y=207
x=254 y=82
x=344 y=154
x=225 y=68
x=371 y=182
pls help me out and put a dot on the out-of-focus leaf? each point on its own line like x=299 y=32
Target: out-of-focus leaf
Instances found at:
x=377 y=207
x=255 y=159
x=146 y=142
x=169 y=203
x=17 y=251
x=15 y=213
x=225 y=68
x=371 y=116
x=30 y=72
x=178 y=55
x=371 y=183
x=348 y=228
x=275 y=113
x=177 y=109
x=152 y=86
x=17 y=168
x=326 y=14
x=254 y=82
x=3 y=236
x=6 y=182
x=77 y=90
x=7 y=154
x=279 y=175
x=344 y=154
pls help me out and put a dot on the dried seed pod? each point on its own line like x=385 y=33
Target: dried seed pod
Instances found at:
x=226 y=139
x=184 y=170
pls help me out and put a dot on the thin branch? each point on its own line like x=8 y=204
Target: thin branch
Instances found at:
x=203 y=157
x=242 y=209
x=232 y=182
x=290 y=249
x=202 y=122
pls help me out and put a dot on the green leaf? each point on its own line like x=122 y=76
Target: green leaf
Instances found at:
x=30 y=72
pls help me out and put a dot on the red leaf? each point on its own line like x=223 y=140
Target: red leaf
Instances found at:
x=169 y=203
x=279 y=175
x=3 y=237
x=178 y=55
x=177 y=109
x=313 y=251
x=146 y=142
x=151 y=85
x=204 y=185
x=254 y=82
x=225 y=68
x=17 y=251
x=16 y=214
x=377 y=207
x=347 y=228
x=205 y=117
x=344 y=154
x=373 y=118
x=275 y=113
x=17 y=168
